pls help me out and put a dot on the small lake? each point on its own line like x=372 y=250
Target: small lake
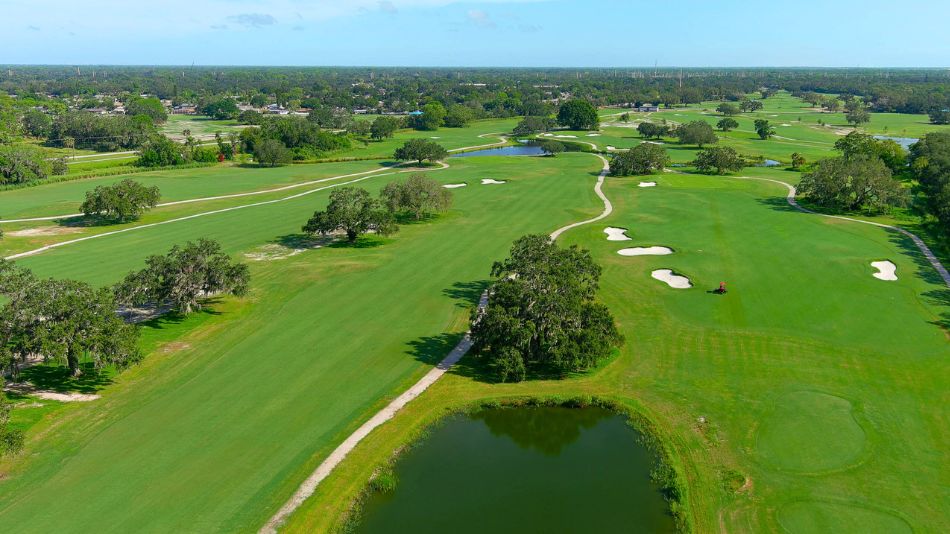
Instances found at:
x=770 y=163
x=517 y=150
x=514 y=470
x=902 y=141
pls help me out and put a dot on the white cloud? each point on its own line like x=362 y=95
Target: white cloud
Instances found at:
x=254 y=20
x=480 y=18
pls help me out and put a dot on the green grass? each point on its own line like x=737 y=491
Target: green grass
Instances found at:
x=222 y=425
x=199 y=125
x=817 y=382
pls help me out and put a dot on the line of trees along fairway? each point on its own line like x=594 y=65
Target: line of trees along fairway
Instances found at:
x=181 y=278
x=79 y=129
x=645 y=158
x=304 y=138
x=420 y=150
x=120 y=202
x=541 y=316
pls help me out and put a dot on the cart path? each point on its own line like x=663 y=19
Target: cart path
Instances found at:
x=309 y=486
x=501 y=137
x=598 y=188
x=924 y=249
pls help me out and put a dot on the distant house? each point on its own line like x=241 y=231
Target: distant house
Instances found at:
x=360 y=111
x=415 y=113
x=276 y=109
x=185 y=109
x=642 y=108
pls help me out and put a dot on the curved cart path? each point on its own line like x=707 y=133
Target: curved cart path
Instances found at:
x=924 y=249
x=309 y=485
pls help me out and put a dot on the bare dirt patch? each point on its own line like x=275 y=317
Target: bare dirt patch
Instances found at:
x=45 y=231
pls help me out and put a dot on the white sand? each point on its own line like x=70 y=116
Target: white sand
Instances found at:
x=453 y=186
x=26 y=388
x=489 y=181
x=646 y=184
x=546 y=135
x=593 y=135
x=645 y=251
x=610 y=148
x=616 y=234
x=566 y=136
x=786 y=124
x=44 y=231
x=272 y=252
x=435 y=137
x=886 y=270
x=673 y=280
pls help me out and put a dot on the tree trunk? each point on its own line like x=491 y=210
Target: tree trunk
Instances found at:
x=351 y=235
x=72 y=360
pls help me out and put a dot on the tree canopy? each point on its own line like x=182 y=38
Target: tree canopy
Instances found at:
x=645 y=158
x=63 y=320
x=418 y=195
x=719 y=159
x=578 y=115
x=551 y=147
x=181 y=278
x=764 y=128
x=224 y=108
x=727 y=124
x=541 y=315
x=433 y=116
x=271 y=153
x=728 y=109
x=151 y=107
x=420 y=150
x=930 y=164
x=121 y=202
x=354 y=211
x=384 y=127
x=860 y=182
x=697 y=133
x=653 y=130
x=531 y=125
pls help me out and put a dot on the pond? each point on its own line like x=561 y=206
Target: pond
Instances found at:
x=770 y=163
x=902 y=141
x=517 y=150
x=534 y=469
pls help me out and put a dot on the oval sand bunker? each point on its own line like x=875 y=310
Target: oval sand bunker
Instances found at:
x=886 y=270
x=616 y=234
x=647 y=184
x=489 y=181
x=673 y=280
x=453 y=186
x=646 y=251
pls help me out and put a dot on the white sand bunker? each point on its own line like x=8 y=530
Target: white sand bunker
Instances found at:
x=435 y=137
x=646 y=251
x=453 y=186
x=616 y=234
x=610 y=148
x=44 y=231
x=886 y=270
x=273 y=252
x=593 y=135
x=646 y=184
x=673 y=280
x=566 y=136
x=546 y=135
x=489 y=181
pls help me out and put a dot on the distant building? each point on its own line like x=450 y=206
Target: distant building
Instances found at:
x=415 y=113
x=185 y=109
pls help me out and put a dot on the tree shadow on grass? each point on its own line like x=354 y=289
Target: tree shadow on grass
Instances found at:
x=174 y=318
x=466 y=294
x=777 y=204
x=303 y=241
x=50 y=376
x=431 y=350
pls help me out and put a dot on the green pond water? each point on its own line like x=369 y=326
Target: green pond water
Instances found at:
x=525 y=470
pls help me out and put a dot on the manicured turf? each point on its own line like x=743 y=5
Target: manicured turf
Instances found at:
x=200 y=126
x=817 y=382
x=213 y=432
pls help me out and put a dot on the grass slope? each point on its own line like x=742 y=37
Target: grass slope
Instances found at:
x=215 y=431
x=820 y=384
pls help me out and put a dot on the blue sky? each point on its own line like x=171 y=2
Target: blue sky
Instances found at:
x=569 y=33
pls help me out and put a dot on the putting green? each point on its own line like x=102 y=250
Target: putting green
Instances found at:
x=806 y=517
x=811 y=432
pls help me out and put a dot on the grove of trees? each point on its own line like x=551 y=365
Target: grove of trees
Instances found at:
x=645 y=158
x=354 y=211
x=417 y=195
x=420 y=150
x=698 y=133
x=541 y=316
x=578 y=115
x=930 y=166
x=718 y=159
x=859 y=182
